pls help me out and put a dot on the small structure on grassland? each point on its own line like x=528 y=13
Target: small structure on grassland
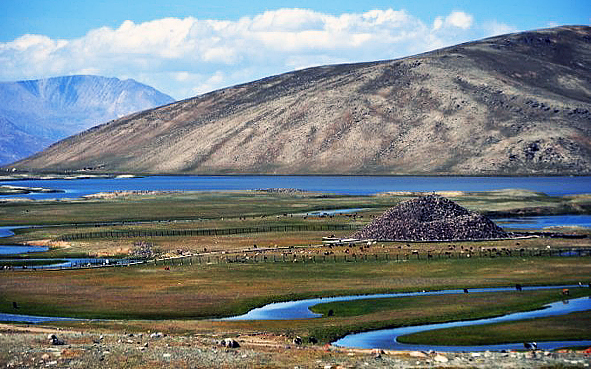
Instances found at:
x=430 y=218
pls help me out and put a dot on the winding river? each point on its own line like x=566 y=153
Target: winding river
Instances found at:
x=387 y=338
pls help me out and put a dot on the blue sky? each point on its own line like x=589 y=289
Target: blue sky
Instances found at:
x=185 y=48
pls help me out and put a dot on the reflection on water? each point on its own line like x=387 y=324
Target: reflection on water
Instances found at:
x=6 y=231
x=547 y=221
x=334 y=212
x=387 y=338
x=5 y=317
x=11 y=249
x=301 y=309
x=49 y=263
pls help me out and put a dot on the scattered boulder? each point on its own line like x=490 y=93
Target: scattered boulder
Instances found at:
x=530 y=345
x=54 y=340
x=229 y=343
x=430 y=218
x=377 y=353
x=440 y=359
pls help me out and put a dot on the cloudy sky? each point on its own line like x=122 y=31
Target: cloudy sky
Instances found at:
x=185 y=48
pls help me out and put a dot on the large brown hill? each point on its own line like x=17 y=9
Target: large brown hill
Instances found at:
x=514 y=104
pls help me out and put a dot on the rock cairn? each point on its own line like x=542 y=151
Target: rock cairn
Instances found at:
x=430 y=218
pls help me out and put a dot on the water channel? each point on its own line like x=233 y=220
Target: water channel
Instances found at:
x=387 y=338
x=300 y=309
x=48 y=263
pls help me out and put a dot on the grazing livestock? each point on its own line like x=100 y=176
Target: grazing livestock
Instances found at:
x=565 y=292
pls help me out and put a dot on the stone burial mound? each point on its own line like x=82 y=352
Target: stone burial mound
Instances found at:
x=430 y=218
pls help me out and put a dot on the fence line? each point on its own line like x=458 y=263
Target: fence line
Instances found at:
x=287 y=257
x=253 y=256
x=207 y=232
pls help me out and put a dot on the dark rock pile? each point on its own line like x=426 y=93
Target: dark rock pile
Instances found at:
x=142 y=250
x=430 y=218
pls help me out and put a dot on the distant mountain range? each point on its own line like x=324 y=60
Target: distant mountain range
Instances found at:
x=517 y=104
x=37 y=113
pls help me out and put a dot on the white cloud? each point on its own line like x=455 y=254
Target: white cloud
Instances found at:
x=459 y=19
x=209 y=84
x=494 y=28
x=187 y=56
x=288 y=20
x=456 y=19
x=438 y=23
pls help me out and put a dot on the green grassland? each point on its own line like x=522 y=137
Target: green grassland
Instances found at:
x=178 y=297
x=252 y=204
x=202 y=291
x=575 y=326
x=243 y=209
x=407 y=311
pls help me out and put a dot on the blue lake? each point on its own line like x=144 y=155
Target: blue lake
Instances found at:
x=355 y=185
x=547 y=221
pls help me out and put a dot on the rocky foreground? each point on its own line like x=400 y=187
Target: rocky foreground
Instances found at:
x=33 y=347
x=430 y=218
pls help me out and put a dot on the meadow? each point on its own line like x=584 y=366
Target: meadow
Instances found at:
x=228 y=274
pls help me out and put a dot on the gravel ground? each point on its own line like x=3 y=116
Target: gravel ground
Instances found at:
x=31 y=348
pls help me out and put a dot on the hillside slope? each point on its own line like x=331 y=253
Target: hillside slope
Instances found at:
x=515 y=104
x=44 y=111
